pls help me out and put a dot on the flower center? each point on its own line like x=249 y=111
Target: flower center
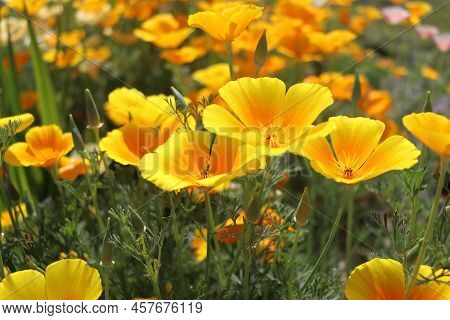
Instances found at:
x=348 y=173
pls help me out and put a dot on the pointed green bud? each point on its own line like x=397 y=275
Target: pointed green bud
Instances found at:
x=356 y=93
x=93 y=117
x=254 y=208
x=427 y=106
x=76 y=136
x=261 y=51
x=107 y=247
x=179 y=99
x=303 y=209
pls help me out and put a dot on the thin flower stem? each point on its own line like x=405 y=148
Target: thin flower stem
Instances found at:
x=349 y=227
x=230 y=60
x=291 y=282
x=105 y=163
x=429 y=228
x=2 y=273
x=329 y=240
x=413 y=221
x=106 y=273
x=247 y=259
x=177 y=237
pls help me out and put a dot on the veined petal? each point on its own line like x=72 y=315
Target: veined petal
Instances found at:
x=23 y=285
x=212 y=23
x=394 y=153
x=115 y=147
x=378 y=279
x=432 y=289
x=19 y=155
x=81 y=282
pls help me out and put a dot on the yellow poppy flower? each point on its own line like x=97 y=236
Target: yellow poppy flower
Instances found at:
x=68 y=39
x=260 y=112
x=32 y=6
x=126 y=104
x=183 y=55
x=22 y=120
x=430 y=73
x=355 y=153
x=332 y=41
x=44 y=147
x=129 y=143
x=432 y=129
x=163 y=30
x=384 y=279
x=199 y=244
x=226 y=23
x=5 y=218
x=72 y=168
x=185 y=161
x=377 y=103
x=81 y=282
x=417 y=9
x=213 y=77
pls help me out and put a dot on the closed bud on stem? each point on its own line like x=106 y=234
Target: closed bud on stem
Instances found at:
x=261 y=52
x=254 y=208
x=179 y=99
x=76 y=136
x=93 y=117
x=107 y=247
x=303 y=209
x=356 y=93
x=427 y=106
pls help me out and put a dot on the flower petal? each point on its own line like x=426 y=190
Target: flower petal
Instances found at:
x=23 y=285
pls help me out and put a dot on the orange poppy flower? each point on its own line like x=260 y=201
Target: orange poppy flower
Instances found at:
x=377 y=103
x=44 y=147
x=384 y=279
x=183 y=55
x=355 y=153
x=28 y=99
x=226 y=23
x=72 y=168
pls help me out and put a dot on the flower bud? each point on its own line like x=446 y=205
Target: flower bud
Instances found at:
x=254 y=209
x=76 y=136
x=303 y=209
x=107 y=247
x=179 y=99
x=356 y=93
x=93 y=117
x=261 y=52
x=427 y=106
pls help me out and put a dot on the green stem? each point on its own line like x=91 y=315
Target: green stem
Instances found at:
x=429 y=228
x=2 y=273
x=105 y=163
x=329 y=240
x=291 y=282
x=349 y=227
x=247 y=258
x=177 y=236
x=230 y=60
x=413 y=221
x=106 y=283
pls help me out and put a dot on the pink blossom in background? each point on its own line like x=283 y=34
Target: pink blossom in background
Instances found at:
x=442 y=41
x=427 y=31
x=395 y=14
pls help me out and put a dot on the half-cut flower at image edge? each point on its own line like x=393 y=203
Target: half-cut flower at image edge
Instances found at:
x=21 y=121
x=260 y=112
x=44 y=147
x=384 y=279
x=70 y=279
x=189 y=159
x=355 y=153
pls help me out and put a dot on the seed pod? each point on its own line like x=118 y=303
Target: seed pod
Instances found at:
x=356 y=93
x=76 y=136
x=93 y=117
x=254 y=209
x=179 y=99
x=303 y=209
x=427 y=106
x=261 y=52
x=107 y=247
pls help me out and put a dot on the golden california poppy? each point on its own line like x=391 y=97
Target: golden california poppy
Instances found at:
x=226 y=23
x=163 y=30
x=185 y=160
x=5 y=218
x=81 y=282
x=44 y=147
x=432 y=129
x=384 y=279
x=355 y=153
x=376 y=103
x=72 y=168
x=184 y=55
x=22 y=121
x=260 y=112
x=213 y=77
x=199 y=245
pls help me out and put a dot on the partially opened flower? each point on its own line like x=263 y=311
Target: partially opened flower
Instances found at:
x=44 y=147
x=71 y=279
x=260 y=112
x=226 y=23
x=19 y=122
x=432 y=129
x=188 y=159
x=163 y=30
x=384 y=279
x=71 y=168
x=355 y=153
x=377 y=103
x=129 y=143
